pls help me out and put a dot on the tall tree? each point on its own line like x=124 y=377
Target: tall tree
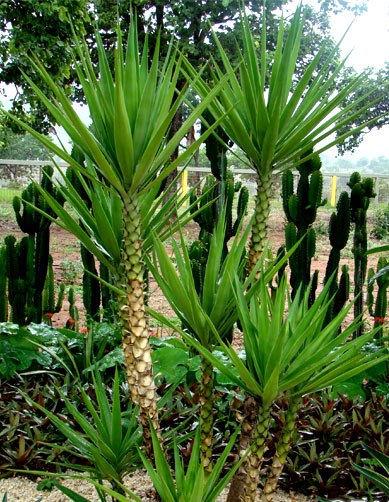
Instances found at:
x=21 y=147
x=44 y=27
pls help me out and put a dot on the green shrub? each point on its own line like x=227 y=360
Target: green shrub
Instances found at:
x=381 y=224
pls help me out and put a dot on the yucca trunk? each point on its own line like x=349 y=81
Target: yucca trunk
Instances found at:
x=257 y=449
x=135 y=335
x=257 y=244
x=206 y=413
x=250 y=412
x=282 y=449
x=261 y=217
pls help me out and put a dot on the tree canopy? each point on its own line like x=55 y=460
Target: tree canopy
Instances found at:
x=21 y=147
x=45 y=28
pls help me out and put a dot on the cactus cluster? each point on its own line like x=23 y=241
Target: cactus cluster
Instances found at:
x=301 y=209
x=26 y=282
x=219 y=191
x=362 y=191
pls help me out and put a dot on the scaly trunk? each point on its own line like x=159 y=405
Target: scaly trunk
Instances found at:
x=261 y=217
x=282 y=449
x=257 y=244
x=135 y=335
x=206 y=413
x=250 y=413
x=254 y=460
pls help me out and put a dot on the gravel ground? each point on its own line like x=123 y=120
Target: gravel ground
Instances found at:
x=20 y=489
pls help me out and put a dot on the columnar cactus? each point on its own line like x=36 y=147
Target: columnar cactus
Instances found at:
x=3 y=285
x=301 y=209
x=51 y=306
x=362 y=190
x=20 y=275
x=72 y=322
x=378 y=307
x=339 y=231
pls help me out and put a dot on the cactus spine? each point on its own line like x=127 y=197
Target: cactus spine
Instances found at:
x=301 y=209
x=362 y=190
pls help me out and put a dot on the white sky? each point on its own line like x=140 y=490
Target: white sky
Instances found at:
x=368 y=38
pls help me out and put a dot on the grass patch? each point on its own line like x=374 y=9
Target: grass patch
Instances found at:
x=7 y=194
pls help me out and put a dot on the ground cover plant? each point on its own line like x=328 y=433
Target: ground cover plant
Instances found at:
x=292 y=351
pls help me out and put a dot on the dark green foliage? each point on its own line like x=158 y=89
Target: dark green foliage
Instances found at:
x=339 y=231
x=90 y=286
x=381 y=463
x=18 y=352
x=49 y=305
x=362 y=190
x=3 y=285
x=378 y=306
x=301 y=209
x=381 y=224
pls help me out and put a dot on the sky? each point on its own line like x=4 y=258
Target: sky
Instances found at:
x=368 y=38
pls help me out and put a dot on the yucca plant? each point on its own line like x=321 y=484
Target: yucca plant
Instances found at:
x=194 y=485
x=202 y=314
x=108 y=440
x=210 y=315
x=294 y=354
x=128 y=144
x=275 y=119
x=278 y=120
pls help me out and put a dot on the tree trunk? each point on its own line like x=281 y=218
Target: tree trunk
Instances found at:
x=250 y=412
x=282 y=449
x=136 y=345
x=206 y=413
x=253 y=463
x=261 y=217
